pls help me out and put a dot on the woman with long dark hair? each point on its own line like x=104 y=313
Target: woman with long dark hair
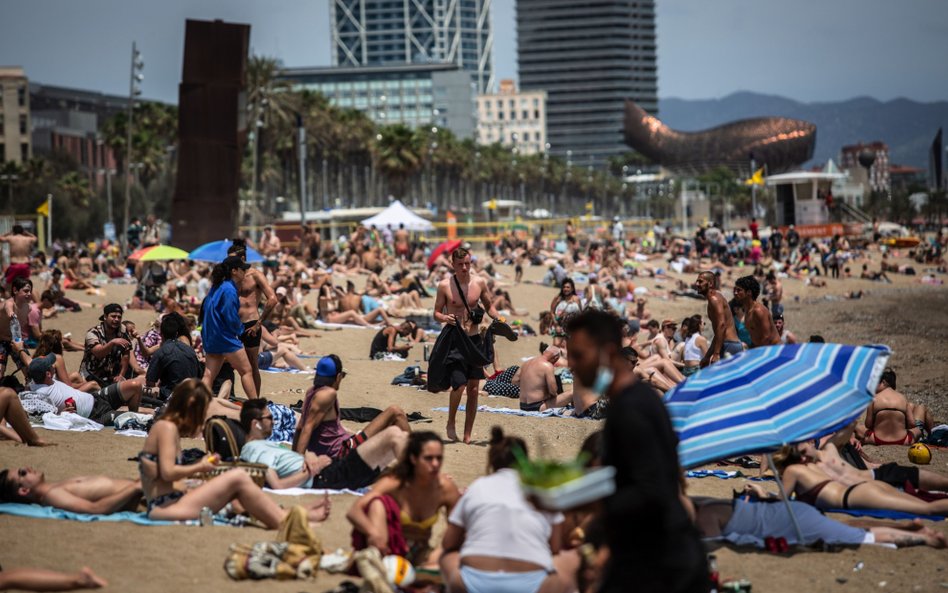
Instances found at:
x=564 y=305
x=398 y=514
x=221 y=325
x=160 y=467
x=496 y=541
x=51 y=342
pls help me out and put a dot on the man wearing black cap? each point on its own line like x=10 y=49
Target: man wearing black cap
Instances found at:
x=99 y=406
x=320 y=430
x=106 y=349
x=221 y=326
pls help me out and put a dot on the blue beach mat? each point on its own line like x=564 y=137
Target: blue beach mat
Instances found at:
x=881 y=514
x=36 y=511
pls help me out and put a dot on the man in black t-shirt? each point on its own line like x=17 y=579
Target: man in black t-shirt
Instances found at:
x=175 y=360
x=653 y=544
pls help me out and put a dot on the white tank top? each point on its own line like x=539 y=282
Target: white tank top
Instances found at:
x=692 y=351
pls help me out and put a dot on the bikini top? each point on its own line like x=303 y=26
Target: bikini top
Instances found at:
x=153 y=457
x=904 y=415
x=423 y=525
x=810 y=496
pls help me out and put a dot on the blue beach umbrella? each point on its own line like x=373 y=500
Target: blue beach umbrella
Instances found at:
x=216 y=251
x=768 y=397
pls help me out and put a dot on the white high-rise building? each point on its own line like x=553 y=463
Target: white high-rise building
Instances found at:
x=512 y=118
x=389 y=32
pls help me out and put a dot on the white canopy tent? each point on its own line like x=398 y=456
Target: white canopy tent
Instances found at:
x=397 y=214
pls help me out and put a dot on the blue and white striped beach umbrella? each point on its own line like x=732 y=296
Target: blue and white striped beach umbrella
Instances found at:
x=768 y=397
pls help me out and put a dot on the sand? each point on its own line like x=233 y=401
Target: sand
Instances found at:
x=906 y=315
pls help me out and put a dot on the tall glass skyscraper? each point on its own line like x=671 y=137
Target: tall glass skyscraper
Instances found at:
x=383 y=32
x=589 y=56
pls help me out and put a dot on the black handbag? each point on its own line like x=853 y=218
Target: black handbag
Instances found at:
x=477 y=314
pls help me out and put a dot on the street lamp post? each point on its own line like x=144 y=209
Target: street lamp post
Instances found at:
x=134 y=90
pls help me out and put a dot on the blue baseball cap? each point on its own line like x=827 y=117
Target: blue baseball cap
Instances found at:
x=327 y=369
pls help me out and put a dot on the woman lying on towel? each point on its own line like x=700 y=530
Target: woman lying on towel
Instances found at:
x=815 y=487
x=398 y=514
x=159 y=466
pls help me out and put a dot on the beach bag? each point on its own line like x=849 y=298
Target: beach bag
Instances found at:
x=224 y=437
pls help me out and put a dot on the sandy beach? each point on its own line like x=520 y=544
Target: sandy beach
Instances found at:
x=906 y=315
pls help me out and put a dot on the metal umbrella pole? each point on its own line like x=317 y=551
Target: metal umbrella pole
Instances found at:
x=786 y=500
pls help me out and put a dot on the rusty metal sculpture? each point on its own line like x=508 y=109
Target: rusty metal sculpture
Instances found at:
x=779 y=143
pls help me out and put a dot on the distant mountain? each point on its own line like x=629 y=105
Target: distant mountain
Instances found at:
x=907 y=126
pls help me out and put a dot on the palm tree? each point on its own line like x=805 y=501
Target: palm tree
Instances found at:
x=397 y=156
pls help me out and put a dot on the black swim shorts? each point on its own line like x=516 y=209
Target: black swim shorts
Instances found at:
x=251 y=340
x=896 y=475
x=460 y=372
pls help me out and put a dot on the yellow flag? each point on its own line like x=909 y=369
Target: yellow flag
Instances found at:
x=492 y=204
x=43 y=209
x=589 y=206
x=757 y=178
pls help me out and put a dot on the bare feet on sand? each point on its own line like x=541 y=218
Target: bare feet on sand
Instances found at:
x=319 y=511
x=452 y=433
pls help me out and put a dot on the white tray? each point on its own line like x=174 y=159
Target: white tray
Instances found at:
x=595 y=484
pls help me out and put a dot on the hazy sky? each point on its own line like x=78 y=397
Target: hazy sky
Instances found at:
x=810 y=50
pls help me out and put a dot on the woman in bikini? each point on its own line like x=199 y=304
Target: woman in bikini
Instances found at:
x=815 y=487
x=160 y=467
x=696 y=345
x=398 y=514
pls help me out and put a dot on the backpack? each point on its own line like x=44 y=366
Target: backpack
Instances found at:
x=224 y=437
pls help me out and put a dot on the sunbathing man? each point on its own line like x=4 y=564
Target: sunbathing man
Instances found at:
x=99 y=495
x=99 y=406
x=891 y=419
x=757 y=318
x=725 y=342
x=289 y=469
x=320 y=429
x=828 y=459
x=538 y=389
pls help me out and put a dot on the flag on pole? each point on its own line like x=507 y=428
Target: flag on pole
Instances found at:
x=44 y=208
x=756 y=179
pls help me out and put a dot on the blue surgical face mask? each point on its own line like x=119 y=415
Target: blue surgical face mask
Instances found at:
x=604 y=377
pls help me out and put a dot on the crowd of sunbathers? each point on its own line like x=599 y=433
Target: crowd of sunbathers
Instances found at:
x=497 y=539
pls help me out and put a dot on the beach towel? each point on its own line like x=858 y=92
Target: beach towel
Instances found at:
x=132 y=432
x=555 y=412
x=713 y=473
x=884 y=514
x=287 y=370
x=36 y=511
x=314 y=491
x=284 y=423
x=67 y=421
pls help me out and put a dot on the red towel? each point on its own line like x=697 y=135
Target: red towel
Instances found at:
x=396 y=540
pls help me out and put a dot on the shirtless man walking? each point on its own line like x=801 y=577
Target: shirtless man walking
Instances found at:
x=21 y=246
x=251 y=291
x=402 y=244
x=450 y=309
x=725 y=342
x=99 y=495
x=538 y=383
x=757 y=319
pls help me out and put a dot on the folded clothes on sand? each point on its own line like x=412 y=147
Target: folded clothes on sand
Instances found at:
x=713 y=473
x=67 y=421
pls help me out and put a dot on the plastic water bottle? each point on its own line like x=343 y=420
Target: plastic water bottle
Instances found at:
x=207 y=517
x=15 y=331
